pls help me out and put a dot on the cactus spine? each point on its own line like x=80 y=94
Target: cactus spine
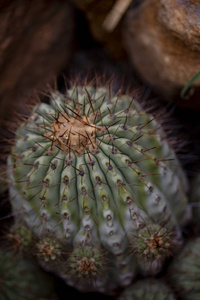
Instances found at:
x=91 y=169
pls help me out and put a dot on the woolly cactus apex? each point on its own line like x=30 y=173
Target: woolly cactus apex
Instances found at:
x=184 y=272
x=147 y=289
x=23 y=279
x=89 y=169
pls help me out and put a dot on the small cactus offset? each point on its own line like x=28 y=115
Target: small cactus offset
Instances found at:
x=22 y=279
x=93 y=176
x=184 y=272
x=152 y=244
x=19 y=239
x=147 y=289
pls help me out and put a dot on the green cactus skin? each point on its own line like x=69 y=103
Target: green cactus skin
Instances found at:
x=147 y=289
x=91 y=168
x=184 y=272
x=22 y=279
x=87 y=263
x=194 y=198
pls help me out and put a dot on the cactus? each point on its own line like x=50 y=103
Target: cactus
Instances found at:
x=22 y=279
x=152 y=244
x=147 y=289
x=184 y=272
x=19 y=239
x=94 y=172
x=195 y=202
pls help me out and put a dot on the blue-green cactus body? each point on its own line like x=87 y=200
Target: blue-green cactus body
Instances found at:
x=184 y=272
x=93 y=169
x=194 y=198
x=22 y=279
x=147 y=289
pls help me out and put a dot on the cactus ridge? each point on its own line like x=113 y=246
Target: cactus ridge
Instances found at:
x=93 y=168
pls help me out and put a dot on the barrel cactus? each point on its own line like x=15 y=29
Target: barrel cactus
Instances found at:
x=22 y=279
x=92 y=173
x=147 y=289
x=184 y=272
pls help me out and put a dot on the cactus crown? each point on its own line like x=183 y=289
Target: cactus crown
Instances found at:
x=74 y=133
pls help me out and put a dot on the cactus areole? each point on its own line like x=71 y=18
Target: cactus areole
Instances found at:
x=92 y=168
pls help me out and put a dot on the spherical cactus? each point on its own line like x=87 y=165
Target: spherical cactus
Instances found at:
x=184 y=272
x=92 y=169
x=147 y=289
x=22 y=279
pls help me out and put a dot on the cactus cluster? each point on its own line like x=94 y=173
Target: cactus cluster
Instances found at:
x=95 y=180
